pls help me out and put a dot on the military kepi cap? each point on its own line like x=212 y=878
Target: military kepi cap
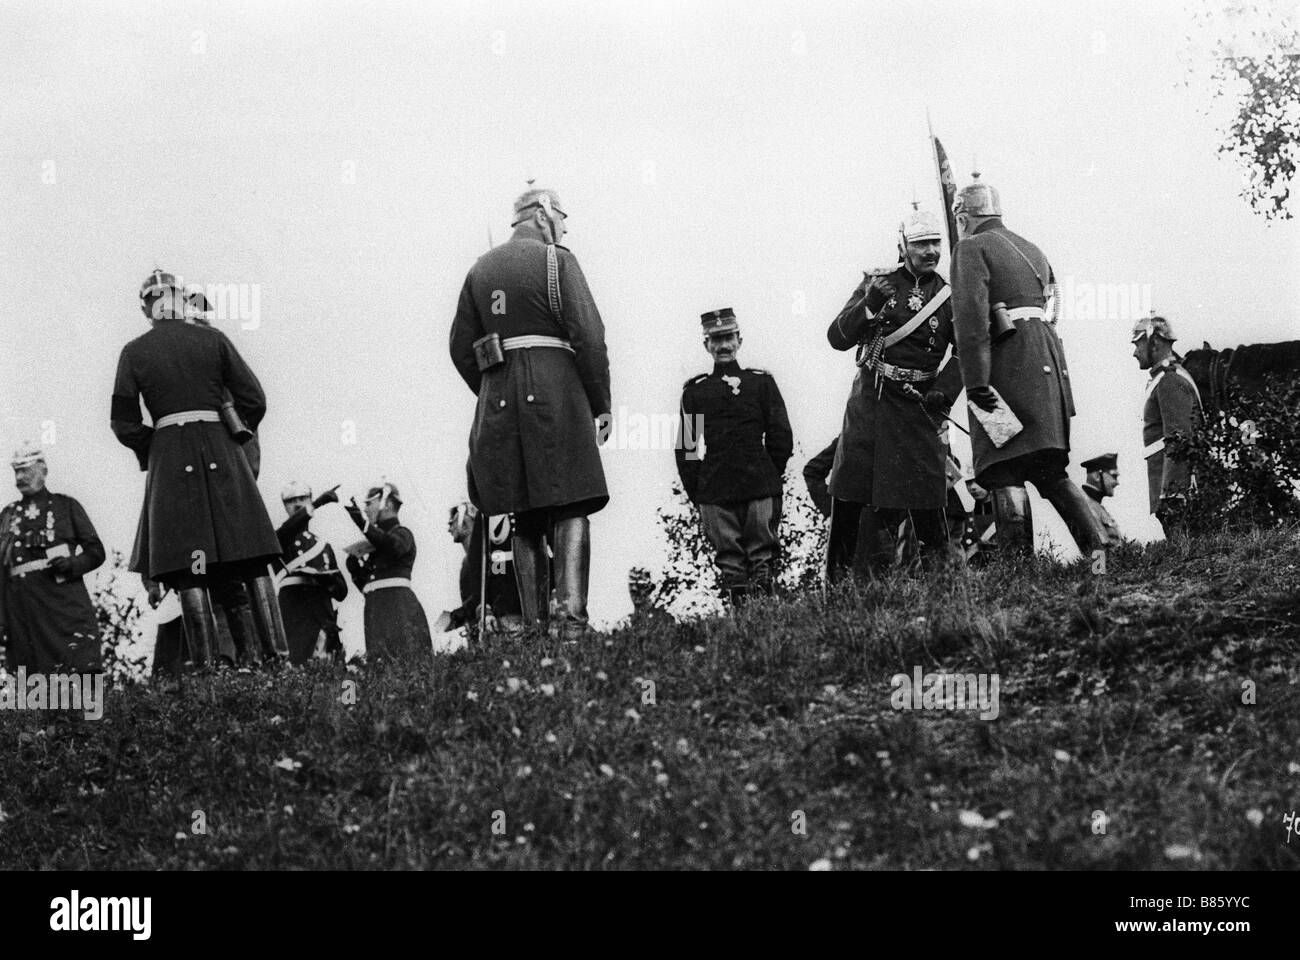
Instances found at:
x=27 y=454
x=1153 y=326
x=719 y=321
x=1107 y=461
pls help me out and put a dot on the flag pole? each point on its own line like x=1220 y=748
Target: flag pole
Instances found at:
x=938 y=178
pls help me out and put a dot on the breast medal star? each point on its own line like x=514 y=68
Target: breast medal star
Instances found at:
x=914 y=301
x=734 y=383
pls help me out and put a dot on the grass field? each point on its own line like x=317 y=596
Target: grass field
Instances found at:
x=763 y=741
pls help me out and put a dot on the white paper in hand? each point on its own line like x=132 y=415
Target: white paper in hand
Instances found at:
x=1000 y=423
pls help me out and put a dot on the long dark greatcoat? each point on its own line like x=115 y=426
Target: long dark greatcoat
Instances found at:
x=890 y=454
x=1027 y=368
x=533 y=444
x=200 y=493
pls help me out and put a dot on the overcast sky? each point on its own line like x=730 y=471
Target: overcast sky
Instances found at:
x=347 y=161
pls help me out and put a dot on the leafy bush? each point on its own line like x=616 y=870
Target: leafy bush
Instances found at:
x=1246 y=459
x=118 y=612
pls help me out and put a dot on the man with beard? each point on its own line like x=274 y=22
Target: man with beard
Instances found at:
x=529 y=341
x=890 y=462
x=47 y=545
x=1009 y=349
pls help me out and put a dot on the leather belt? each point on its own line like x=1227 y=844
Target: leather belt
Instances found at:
x=187 y=416
x=386 y=584
x=901 y=374
x=22 y=569
x=1026 y=313
x=297 y=580
x=536 y=340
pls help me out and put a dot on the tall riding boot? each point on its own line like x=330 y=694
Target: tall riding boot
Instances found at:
x=1076 y=510
x=249 y=643
x=875 y=548
x=533 y=578
x=572 y=575
x=1015 y=525
x=226 y=644
x=200 y=628
x=267 y=616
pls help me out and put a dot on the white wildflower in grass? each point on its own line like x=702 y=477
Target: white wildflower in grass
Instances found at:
x=288 y=763
x=751 y=788
x=820 y=866
x=1062 y=756
x=1179 y=851
x=974 y=820
x=548 y=689
x=546 y=661
x=513 y=684
x=288 y=809
x=698 y=648
x=683 y=746
x=661 y=779
x=606 y=769
x=601 y=675
x=524 y=771
x=471 y=695
x=1293 y=767
x=276 y=720
x=551 y=738
x=632 y=715
x=529 y=828
x=182 y=835
x=1255 y=816
x=351 y=828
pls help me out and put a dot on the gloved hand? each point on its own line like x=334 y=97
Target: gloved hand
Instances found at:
x=155 y=594
x=61 y=566
x=982 y=397
x=329 y=496
x=884 y=285
x=355 y=513
x=934 y=401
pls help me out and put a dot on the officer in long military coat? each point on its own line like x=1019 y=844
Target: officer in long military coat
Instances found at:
x=310 y=580
x=1172 y=408
x=395 y=623
x=736 y=418
x=994 y=270
x=890 y=462
x=1101 y=479
x=529 y=341
x=203 y=520
x=47 y=545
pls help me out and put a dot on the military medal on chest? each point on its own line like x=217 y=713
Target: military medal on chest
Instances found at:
x=915 y=301
x=733 y=382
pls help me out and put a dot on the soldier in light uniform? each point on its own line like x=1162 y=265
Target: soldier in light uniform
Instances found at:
x=203 y=522
x=1101 y=481
x=891 y=457
x=396 y=626
x=1173 y=408
x=738 y=417
x=529 y=341
x=310 y=579
x=47 y=545
x=995 y=270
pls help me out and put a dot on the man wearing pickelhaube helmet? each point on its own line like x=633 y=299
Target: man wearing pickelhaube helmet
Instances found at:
x=396 y=626
x=203 y=521
x=529 y=341
x=47 y=545
x=1172 y=408
x=310 y=581
x=1007 y=343
x=890 y=461
x=736 y=417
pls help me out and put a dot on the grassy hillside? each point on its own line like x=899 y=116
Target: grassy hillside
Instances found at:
x=1119 y=693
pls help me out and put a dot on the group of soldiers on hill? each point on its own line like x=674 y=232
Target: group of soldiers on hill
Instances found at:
x=528 y=340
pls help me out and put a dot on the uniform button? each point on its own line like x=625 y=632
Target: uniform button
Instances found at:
x=503 y=403
x=530 y=398
x=212 y=466
x=189 y=468
x=1046 y=369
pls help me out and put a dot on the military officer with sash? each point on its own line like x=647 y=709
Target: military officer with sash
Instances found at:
x=1102 y=479
x=47 y=545
x=1009 y=349
x=737 y=417
x=310 y=580
x=890 y=461
x=1172 y=408
x=529 y=341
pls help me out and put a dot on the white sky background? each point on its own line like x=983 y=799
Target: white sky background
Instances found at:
x=753 y=155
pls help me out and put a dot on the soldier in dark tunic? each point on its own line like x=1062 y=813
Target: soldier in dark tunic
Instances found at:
x=468 y=527
x=528 y=340
x=890 y=461
x=396 y=627
x=995 y=270
x=737 y=417
x=203 y=521
x=1172 y=408
x=47 y=545
x=1101 y=480
x=816 y=473
x=309 y=578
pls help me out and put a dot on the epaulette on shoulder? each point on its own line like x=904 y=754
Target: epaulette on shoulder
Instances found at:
x=694 y=380
x=758 y=370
